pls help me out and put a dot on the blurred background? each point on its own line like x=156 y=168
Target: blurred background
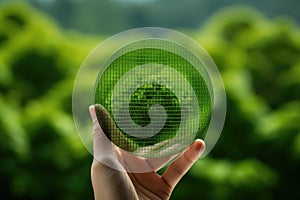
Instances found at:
x=255 y=44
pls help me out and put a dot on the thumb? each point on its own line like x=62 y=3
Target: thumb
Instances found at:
x=101 y=144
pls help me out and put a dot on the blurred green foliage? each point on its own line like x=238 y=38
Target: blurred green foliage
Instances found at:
x=113 y=16
x=41 y=155
x=257 y=156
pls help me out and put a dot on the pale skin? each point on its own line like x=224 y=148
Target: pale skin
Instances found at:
x=109 y=183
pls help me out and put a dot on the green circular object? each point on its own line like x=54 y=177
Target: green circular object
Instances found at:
x=154 y=98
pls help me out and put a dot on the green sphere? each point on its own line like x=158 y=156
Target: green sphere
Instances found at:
x=156 y=97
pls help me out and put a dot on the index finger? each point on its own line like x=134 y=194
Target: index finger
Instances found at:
x=182 y=164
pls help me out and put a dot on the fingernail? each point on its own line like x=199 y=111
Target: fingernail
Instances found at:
x=93 y=112
x=199 y=147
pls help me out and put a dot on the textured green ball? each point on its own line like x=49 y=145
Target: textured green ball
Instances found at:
x=149 y=85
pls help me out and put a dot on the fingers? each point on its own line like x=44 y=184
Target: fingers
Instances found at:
x=182 y=164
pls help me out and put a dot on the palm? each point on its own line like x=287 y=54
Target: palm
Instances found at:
x=151 y=186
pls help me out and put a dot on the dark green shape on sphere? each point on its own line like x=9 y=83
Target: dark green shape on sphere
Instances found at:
x=142 y=100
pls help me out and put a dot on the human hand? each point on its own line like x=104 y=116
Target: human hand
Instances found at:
x=111 y=181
